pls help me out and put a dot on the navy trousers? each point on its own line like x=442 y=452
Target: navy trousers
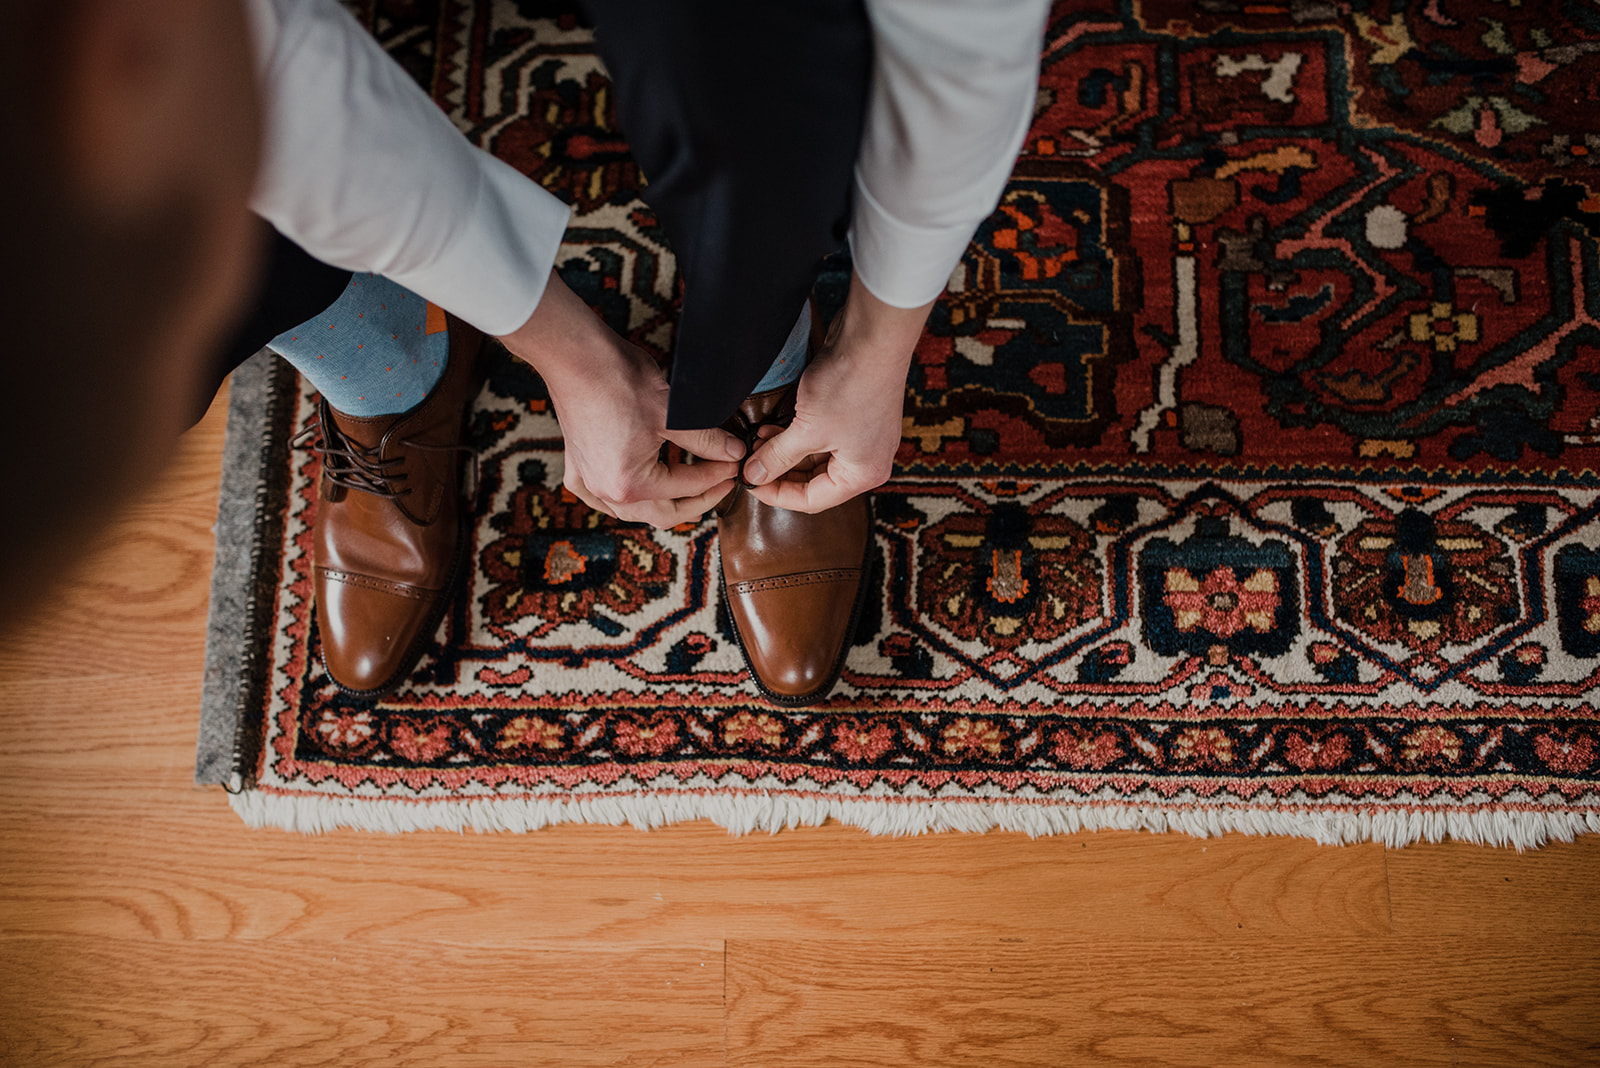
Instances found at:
x=746 y=118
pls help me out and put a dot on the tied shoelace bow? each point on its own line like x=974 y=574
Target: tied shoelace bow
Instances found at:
x=354 y=466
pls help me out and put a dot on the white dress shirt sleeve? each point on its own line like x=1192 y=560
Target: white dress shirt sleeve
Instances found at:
x=953 y=90
x=363 y=171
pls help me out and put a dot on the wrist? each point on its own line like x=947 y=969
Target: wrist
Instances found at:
x=869 y=331
x=567 y=343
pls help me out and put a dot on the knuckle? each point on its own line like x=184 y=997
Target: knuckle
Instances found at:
x=621 y=491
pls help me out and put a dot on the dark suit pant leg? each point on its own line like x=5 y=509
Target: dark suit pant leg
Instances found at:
x=746 y=119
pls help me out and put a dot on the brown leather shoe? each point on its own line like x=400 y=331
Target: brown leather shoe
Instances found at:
x=793 y=582
x=389 y=532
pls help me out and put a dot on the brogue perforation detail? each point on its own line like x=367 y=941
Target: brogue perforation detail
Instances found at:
x=802 y=578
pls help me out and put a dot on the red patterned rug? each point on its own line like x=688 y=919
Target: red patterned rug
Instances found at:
x=1248 y=479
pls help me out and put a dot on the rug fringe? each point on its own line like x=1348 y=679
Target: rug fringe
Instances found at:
x=772 y=813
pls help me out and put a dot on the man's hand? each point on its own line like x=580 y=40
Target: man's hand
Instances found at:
x=611 y=400
x=848 y=410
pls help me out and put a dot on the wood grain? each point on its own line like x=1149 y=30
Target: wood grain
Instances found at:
x=141 y=923
x=1311 y=1003
x=1551 y=891
x=685 y=883
x=89 y=1002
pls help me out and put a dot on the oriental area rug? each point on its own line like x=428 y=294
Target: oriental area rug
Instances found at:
x=1248 y=479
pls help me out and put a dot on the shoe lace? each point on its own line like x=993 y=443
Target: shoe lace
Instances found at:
x=354 y=466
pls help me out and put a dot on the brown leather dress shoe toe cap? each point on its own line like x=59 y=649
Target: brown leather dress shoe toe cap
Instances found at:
x=370 y=628
x=793 y=627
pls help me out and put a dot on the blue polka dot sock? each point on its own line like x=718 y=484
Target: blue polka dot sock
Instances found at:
x=792 y=357
x=377 y=350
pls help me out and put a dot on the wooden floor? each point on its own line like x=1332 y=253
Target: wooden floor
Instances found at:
x=144 y=924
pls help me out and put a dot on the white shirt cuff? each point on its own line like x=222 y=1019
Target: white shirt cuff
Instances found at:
x=363 y=171
x=494 y=270
x=907 y=266
x=902 y=265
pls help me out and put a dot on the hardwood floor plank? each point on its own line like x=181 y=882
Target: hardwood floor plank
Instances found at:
x=1545 y=891
x=89 y=1002
x=193 y=873
x=1312 y=1003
